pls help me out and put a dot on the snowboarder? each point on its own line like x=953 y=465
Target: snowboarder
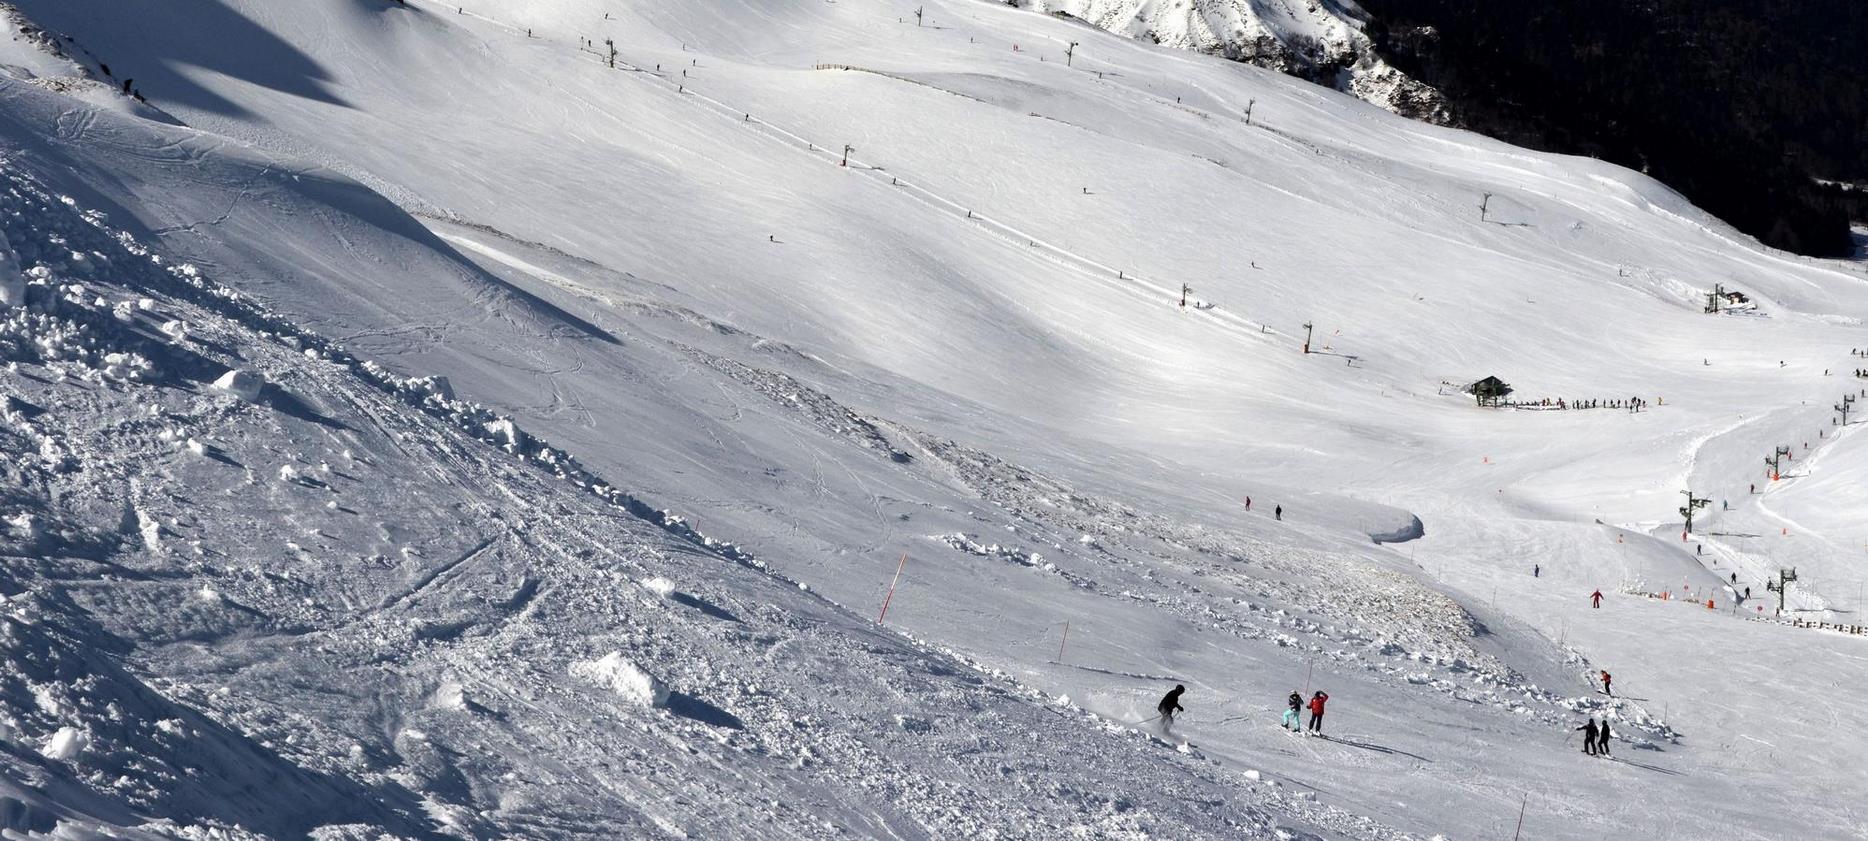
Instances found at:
x=1602 y=738
x=1170 y=704
x=1734 y=578
x=1248 y=503
x=1294 y=715
x=1605 y=683
x=1589 y=737
x=1316 y=711
x=1595 y=599
x=1537 y=571
x=1277 y=513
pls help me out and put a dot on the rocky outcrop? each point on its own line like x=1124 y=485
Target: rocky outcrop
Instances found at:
x=1318 y=40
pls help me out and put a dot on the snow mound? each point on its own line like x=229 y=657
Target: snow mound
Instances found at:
x=240 y=384
x=12 y=283
x=66 y=744
x=617 y=673
x=450 y=695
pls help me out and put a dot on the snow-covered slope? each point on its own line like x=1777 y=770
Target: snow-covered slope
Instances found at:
x=354 y=607
x=964 y=346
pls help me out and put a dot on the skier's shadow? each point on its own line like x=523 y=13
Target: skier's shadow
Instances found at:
x=1377 y=748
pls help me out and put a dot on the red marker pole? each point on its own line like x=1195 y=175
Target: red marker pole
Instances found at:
x=892 y=583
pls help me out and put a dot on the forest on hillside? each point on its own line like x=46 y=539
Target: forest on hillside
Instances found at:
x=1757 y=111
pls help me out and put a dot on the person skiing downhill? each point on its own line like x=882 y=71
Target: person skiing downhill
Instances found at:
x=1595 y=599
x=1589 y=737
x=1602 y=738
x=1316 y=711
x=1170 y=704
x=1277 y=513
x=1605 y=683
x=1294 y=715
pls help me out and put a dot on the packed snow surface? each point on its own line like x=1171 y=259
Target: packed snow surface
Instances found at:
x=420 y=423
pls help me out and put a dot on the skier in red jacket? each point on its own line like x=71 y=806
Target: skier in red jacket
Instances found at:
x=1596 y=599
x=1316 y=711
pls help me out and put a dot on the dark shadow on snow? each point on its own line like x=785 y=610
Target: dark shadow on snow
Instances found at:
x=690 y=707
x=702 y=606
x=161 y=49
x=1377 y=748
x=289 y=404
x=1121 y=674
x=1646 y=767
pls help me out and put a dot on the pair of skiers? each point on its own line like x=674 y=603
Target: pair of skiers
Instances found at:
x=1596 y=739
x=1294 y=715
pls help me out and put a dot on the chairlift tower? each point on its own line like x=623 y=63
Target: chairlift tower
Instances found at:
x=1693 y=504
x=1781 y=586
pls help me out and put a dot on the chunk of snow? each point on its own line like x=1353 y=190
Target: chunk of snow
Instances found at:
x=633 y=685
x=506 y=433
x=66 y=744
x=12 y=283
x=450 y=695
x=240 y=384
x=25 y=526
x=177 y=331
x=46 y=701
x=659 y=586
x=12 y=286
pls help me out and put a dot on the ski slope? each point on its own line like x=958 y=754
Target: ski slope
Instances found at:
x=964 y=346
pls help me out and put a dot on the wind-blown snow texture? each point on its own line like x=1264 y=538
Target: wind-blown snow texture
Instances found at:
x=584 y=416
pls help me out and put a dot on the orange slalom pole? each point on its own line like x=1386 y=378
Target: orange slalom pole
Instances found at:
x=892 y=583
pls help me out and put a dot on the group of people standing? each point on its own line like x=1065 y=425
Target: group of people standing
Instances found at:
x=1632 y=404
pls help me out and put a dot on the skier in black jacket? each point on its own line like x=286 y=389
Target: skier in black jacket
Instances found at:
x=1589 y=737
x=1602 y=739
x=1170 y=704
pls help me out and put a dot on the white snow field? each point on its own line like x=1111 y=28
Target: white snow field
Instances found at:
x=597 y=409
